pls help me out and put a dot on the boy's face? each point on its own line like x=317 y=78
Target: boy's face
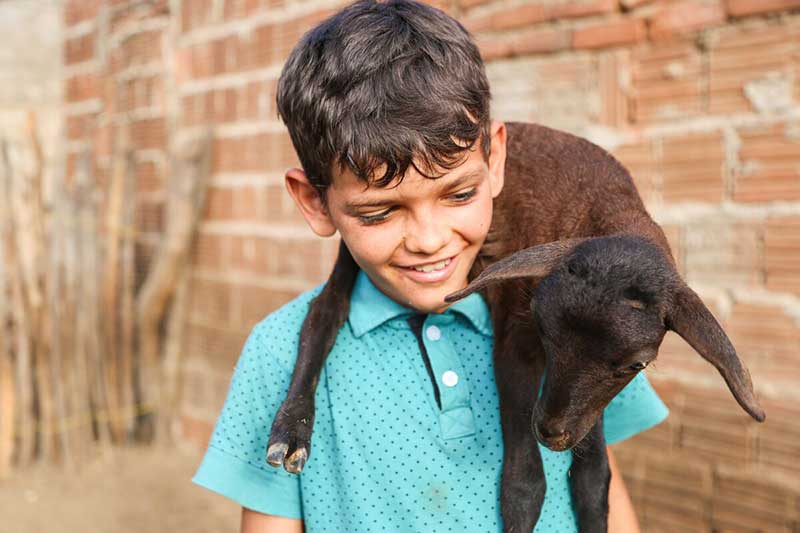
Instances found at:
x=416 y=241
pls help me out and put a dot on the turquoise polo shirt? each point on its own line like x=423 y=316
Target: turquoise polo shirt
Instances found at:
x=407 y=433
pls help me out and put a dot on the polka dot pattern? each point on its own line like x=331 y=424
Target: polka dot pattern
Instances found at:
x=379 y=458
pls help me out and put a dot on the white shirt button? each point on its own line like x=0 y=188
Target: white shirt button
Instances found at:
x=433 y=333
x=450 y=378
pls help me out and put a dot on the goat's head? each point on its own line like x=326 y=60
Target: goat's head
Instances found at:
x=602 y=307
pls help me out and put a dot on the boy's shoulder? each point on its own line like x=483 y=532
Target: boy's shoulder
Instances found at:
x=278 y=333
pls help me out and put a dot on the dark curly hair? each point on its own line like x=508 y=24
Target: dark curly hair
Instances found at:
x=393 y=83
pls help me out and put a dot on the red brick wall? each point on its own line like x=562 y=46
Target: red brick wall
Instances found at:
x=698 y=98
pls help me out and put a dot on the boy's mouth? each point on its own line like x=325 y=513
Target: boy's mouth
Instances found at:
x=430 y=267
x=431 y=272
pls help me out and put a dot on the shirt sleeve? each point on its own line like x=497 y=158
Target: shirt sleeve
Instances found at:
x=234 y=464
x=634 y=409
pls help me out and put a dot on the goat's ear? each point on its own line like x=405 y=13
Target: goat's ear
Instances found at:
x=692 y=320
x=533 y=262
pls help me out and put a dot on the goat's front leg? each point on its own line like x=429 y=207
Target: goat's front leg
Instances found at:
x=290 y=439
x=523 y=485
x=590 y=476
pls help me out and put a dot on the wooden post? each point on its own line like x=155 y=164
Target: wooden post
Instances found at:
x=187 y=193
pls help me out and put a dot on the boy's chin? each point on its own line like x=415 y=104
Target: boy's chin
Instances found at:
x=434 y=303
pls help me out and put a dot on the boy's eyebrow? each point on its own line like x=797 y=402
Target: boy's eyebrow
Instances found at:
x=353 y=207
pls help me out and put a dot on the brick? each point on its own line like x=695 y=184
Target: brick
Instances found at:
x=629 y=5
x=249 y=254
x=722 y=252
x=779 y=437
x=247 y=202
x=641 y=162
x=538 y=41
x=746 y=503
x=79 y=48
x=233 y=9
x=693 y=168
x=518 y=16
x=81 y=126
x=149 y=133
x=210 y=252
x=103 y=139
x=741 y=8
x=263 y=45
x=82 y=87
x=268 y=151
x=79 y=10
x=300 y=259
x=197 y=61
x=467 y=4
x=685 y=17
x=148 y=177
x=258 y=100
x=667 y=82
x=743 y=55
x=768 y=168
x=149 y=216
x=138 y=49
x=613 y=79
x=675 y=239
x=190 y=114
x=194 y=14
x=782 y=253
x=219 y=204
x=767 y=337
x=675 y=494
x=714 y=428
x=493 y=47
x=275 y=203
x=257 y=302
x=214 y=348
x=618 y=33
x=586 y=8
x=211 y=303
x=233 y=155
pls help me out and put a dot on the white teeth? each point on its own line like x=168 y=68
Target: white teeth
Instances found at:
x=432 y=266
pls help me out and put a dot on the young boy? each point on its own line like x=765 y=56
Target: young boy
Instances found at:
x=387 y=105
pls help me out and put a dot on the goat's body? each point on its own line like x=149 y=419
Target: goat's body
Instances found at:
x=557 y=187
x=551 y=193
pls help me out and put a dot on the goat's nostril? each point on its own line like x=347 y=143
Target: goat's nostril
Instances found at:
x=549 y=431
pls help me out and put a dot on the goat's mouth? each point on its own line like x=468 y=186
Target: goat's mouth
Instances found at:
x=560 y=434
x=558 y=443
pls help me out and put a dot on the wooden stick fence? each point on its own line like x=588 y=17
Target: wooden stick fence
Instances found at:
x=83 y=363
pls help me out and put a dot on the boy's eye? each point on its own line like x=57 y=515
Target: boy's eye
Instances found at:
x=464 y=196
x=374 y=218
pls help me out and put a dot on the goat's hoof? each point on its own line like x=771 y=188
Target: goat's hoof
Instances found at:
x=294 y=463
x=290 y=440
x=276 y=453
x=291 y=455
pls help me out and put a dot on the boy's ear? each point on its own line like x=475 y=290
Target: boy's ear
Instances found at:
x=497 y=157
x=309 y=202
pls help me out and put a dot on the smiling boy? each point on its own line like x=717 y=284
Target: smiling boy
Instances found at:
x=388 y=108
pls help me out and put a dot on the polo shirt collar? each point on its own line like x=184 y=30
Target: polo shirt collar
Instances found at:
x=369 y=308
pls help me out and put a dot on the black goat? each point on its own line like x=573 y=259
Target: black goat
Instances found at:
x=569 y=228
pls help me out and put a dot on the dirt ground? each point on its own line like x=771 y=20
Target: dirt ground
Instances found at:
x=134 y=490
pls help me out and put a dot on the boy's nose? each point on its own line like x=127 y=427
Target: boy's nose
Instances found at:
x=426 y=238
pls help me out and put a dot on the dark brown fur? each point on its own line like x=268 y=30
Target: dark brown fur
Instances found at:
x=581 y=286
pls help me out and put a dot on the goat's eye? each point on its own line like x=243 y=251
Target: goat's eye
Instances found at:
x=637 y=366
